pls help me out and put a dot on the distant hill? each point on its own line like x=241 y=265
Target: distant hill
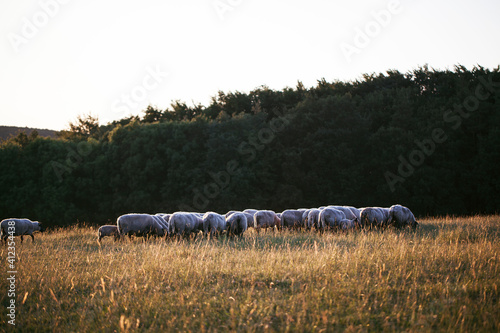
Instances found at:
x=9 y=131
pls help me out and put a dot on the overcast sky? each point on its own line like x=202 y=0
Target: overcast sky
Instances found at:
x=64 y=58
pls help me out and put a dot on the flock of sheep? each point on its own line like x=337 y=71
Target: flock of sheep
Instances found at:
x=235 y=223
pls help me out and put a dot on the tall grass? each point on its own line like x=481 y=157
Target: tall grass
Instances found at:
x=444 y=276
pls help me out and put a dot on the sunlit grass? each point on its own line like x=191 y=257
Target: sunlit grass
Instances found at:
x=443 y=276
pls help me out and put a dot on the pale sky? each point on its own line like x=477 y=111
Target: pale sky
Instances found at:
x=64 y=58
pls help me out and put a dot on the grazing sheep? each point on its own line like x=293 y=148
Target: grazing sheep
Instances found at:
x=400 y=217
x=237 y=223
x=184 y=224
x=312 y=219
x=249 y=213
x=349 y=214
x=213 y=224
x=346 y=224
x=329 y=218
x=292 y=219
x=107 y=231
x=374 y=217
x=249 y=216
x=305 y=214
x=20 y=227
x=143 y=225
x=266 y=219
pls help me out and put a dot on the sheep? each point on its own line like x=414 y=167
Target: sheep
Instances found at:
x=349 y=214
x=237 y=223
x=292 y=219
x=374 y=217
x=249 y=220
x=19 y=227
x=400 y=217
x=329 y=218
x=144 y=225
x=213 y=224
x=185 y=224
x=312 y=219
x=305 y=213
x=249 y=213
x=346 y=224
x=107 y=230
x=266 y=219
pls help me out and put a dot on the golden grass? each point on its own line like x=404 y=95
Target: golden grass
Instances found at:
x=442 y=277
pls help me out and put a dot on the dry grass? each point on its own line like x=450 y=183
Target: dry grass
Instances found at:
x=443 y=277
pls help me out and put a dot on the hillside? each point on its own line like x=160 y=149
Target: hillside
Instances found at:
x=7 y=132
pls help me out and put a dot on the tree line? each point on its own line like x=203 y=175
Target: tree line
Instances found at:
x=427 y=139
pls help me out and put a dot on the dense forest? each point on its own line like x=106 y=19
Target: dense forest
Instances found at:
x=428 y=139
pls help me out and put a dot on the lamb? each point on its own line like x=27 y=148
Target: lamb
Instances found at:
x=346 y=224
x=107 y=231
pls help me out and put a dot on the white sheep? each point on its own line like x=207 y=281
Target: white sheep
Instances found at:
x=213 y=224
x=266 y=219
x=144 y=225
x=19 y=227
x=401 y=216
x=237 y=223
x=185 y=224
x=329 y=218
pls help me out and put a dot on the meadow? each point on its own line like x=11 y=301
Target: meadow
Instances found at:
x=445 y=276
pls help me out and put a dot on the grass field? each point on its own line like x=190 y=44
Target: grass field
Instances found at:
x=445 y=276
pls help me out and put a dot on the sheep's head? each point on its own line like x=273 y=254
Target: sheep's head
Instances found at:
x=41 y=228
x=414 y=224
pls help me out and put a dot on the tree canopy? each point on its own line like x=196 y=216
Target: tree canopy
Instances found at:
x=427 y=139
